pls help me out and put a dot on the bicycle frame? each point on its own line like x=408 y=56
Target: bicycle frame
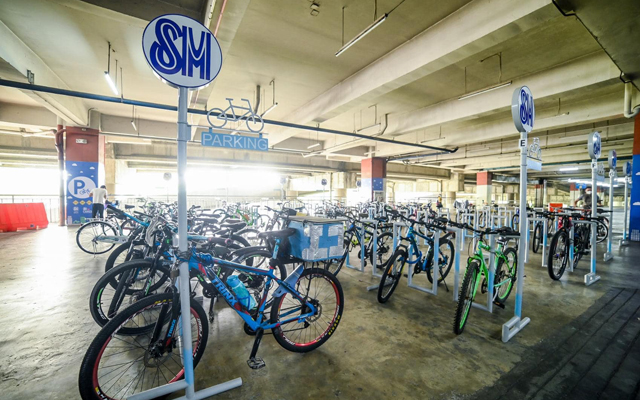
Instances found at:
x=479 y=256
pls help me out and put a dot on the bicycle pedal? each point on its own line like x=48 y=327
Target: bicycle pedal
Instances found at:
x=256 y=363
x=499 y=304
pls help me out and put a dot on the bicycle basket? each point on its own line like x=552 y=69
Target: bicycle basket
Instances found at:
x=317 y=239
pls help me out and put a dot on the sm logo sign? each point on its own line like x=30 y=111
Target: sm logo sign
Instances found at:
x=181 y=51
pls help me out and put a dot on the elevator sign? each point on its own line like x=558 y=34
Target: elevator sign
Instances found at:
x=181 y=51
x=523 y=110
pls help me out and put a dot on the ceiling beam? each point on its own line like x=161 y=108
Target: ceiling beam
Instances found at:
x=17 y=54
x=486 y=23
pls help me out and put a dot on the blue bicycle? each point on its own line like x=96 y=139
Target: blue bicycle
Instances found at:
x=411 y=254
x=139 y=348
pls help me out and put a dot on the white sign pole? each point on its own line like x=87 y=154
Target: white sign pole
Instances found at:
x=523 y=112
x=595 y=147
x=179 y=67
x=625 y=239
x=613 y=164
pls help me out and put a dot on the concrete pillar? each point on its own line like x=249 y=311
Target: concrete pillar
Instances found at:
x=374 y=182
x=450 y=198
x=574 y=193
x=483 y=188
x=82 y=165
x=634 y=208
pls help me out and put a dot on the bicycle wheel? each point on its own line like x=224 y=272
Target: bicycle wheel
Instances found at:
x=121 y=255
x=392 y=275
x=261 y=222
x=537 y=237
x=384 y=250
x=466 y=296
x=334 y=265
x=323 y=290
x=128 y=226
x=117 y=365
x=445 y=260
x=221 y=119
x=89 y=233
x=603 y=232
x=558 y=254
x=122 y=286
x=505 y=275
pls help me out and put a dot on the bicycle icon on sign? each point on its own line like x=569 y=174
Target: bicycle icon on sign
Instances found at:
x=253 y=121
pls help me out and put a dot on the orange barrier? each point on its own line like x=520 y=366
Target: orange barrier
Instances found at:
x=555 y=206
x=16 y=216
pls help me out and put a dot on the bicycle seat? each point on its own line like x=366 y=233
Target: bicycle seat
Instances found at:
x=281 y=234
x=507 y=231
x=232 y=220
x=208 y=220
x=128 y=206
x=234 y=227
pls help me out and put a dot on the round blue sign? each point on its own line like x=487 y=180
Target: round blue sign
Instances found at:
x=324 y=182
x=626 y=169
x=594 y=145
x=523 y=110
x=613 y=159
x=182 y=51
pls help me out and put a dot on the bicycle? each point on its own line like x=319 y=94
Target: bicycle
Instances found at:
x=422 y=262
x=253 y=121
x=99 y=236
x=504 y=278
x=562 y=244
x=143 y=338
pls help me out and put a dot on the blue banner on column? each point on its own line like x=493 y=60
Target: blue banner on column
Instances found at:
x=634 y=213
x=82 y=178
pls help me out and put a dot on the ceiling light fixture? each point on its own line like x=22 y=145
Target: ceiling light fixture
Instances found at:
x=489 y=89
x=362 y=34
x=107 y=74
x=313 y=145
x=569 y=169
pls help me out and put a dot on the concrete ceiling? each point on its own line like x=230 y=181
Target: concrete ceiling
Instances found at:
x=574 y=80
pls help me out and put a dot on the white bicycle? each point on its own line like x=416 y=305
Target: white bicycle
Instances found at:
x=253 y=121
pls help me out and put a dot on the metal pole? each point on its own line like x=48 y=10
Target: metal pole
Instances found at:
x=59 y=143
x=609 y=255
x=591 y=277
x=625 y=239
x=544 y=193
x=185 y=290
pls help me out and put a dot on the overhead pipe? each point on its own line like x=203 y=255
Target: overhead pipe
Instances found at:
x=628 y=112
x=417 y=156
x=121 y=100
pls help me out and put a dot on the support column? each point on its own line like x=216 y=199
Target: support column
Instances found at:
x=62 y=179
x=82 y=155
x=574 y=193
x=483 y=188
x=634 y=216
x=374 y=178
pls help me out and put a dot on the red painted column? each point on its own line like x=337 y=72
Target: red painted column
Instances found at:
x=373 y=179
x=82 y=166
x=483 y=187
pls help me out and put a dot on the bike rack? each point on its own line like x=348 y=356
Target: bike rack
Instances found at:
x=459 y=234
x=591 y=277
x=609 y=255
x=435 y=271
x=362 y=250
x=625 y=240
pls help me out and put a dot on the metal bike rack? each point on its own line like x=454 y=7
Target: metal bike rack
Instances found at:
x=591 y=277
x=609 y=255
x=490 y=259
x=435 y=270
x=456 y=261
x=347 y=262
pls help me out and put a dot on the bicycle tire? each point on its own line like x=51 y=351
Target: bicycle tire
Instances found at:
x=401 y=255
x=113 y=279
x=537 y=237
x=334 y=265
x=279 y=332
x=88 y=380
x=112 y=261
x=442 y=273
x=602 y=232
x=220 y=112
x=561 y=237
x=501 y=273
x=466 y=297
x=105 y=228
x=384 y=246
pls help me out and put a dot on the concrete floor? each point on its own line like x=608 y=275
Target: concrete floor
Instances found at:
x=402 y=349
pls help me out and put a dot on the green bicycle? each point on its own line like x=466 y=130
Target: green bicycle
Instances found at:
x=503 y=281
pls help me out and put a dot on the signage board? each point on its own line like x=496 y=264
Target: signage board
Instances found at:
x=324 y=182
x=181 y=51
x=82 y=178
x=594 y=145
x=523 y=109
x=613 y=159
x=626 y=169
x=533 y=164
x=237 y=142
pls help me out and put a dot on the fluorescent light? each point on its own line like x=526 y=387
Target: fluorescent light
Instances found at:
x=489 y=89
x=112 y=85
x=569 y=169
x=362 y=34
x=268 y=110
x=313 y=145
x=133 y=123
x=311 y=154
